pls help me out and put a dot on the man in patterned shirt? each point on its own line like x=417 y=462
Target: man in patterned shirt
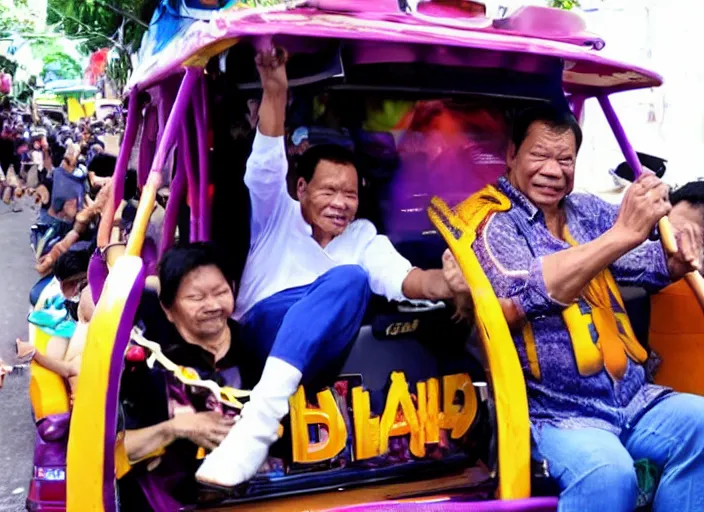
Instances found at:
x=554 y=259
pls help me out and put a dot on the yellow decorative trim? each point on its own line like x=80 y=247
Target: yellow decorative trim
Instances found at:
x=459 y=229
x=122 y=462
x=613 y=346
x=225 y=394
x=86 y=444
x=200 y=59
x=531 y=350
x=144 y=212
x=47 y=390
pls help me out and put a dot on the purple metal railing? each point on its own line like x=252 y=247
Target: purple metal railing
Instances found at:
x=185 y=154
x=201 y=114
x=134 y=118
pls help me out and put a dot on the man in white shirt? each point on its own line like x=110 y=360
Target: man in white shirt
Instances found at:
x=310 y=271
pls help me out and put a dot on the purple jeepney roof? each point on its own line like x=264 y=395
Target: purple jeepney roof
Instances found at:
x=530 y=33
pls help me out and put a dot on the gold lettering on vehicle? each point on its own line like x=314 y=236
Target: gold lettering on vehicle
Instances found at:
x=397 y=328
x=421 y=417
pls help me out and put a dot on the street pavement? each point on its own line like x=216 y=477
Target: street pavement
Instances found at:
x=17 y=276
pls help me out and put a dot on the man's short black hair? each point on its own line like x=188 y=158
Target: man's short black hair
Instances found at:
x=559 y=119
x=71 y=264
x=179 y=261
x=131 y=185
x=309 y=160
x=692 y=192
x=103 y=165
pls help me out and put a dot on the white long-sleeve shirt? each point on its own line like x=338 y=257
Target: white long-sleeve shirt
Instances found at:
x=283 y=253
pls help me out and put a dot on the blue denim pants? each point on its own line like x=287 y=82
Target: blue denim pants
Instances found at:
x=594 y=468
x=310 y=326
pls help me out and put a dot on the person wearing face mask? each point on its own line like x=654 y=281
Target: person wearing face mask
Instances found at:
x=310 y=271
x=70 y=318
x=554 y=258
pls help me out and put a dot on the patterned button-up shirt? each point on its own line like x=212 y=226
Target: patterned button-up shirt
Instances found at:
x=510 y=248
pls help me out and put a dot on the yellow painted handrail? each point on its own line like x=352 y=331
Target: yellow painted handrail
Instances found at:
x=86 y=465
x=507 y=378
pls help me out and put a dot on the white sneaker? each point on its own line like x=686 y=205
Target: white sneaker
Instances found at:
x=246 y=447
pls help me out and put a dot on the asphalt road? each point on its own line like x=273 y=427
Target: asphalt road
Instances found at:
x=17 y=276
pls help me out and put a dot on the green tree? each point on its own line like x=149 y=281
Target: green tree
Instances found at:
x=564 y=4
x=62 y=65
x=14 y=20
x=105 y=23
x=99 y=22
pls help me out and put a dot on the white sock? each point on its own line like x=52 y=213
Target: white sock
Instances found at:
x=246 y=447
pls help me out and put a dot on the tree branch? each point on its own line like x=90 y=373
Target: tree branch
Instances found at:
x=122 y=13
x=89 y=29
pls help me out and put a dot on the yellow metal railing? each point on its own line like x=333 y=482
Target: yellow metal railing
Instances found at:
x=507 y=379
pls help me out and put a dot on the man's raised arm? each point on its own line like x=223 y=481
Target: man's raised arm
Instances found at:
x=267 y=166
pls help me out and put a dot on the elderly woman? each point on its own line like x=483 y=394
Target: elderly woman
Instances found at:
x=554 y=259
x=164 y=422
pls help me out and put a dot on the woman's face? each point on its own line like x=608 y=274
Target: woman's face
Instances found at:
x=203 y=304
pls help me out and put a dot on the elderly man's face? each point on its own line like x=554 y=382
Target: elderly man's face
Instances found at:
x=542 y=168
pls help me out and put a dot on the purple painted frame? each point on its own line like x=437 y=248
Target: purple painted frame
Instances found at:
x=122 y=338
x=249 y=25
x=176 y=196
x=201 y=111
x=174 y=122
x=147 y=147
x=626 y=148
x=360 y=24
x=175 y=119
x=134 y=118
x=186 y=157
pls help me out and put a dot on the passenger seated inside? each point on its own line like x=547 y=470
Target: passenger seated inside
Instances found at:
x=557 y=256
x=65 y=316
x=676 y=321
x=310 y=271
x=687 y=205
x=165 y=421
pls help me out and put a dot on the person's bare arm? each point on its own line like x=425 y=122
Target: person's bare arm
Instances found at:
x=567 y=272
x=267 y=165
x=558 y=279
x=139 y=443
x=48 y=164
x=86 y=305
x=204 y=429
x=271 y=65
x=426 y=284
x=65 y=369
x=457 y=285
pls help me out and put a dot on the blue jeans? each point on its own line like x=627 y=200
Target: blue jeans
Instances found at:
x=311 y=326
x=594 y=468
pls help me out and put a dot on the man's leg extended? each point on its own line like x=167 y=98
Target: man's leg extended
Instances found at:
x=671 y=435
x=323 y=321
x=592 y=467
